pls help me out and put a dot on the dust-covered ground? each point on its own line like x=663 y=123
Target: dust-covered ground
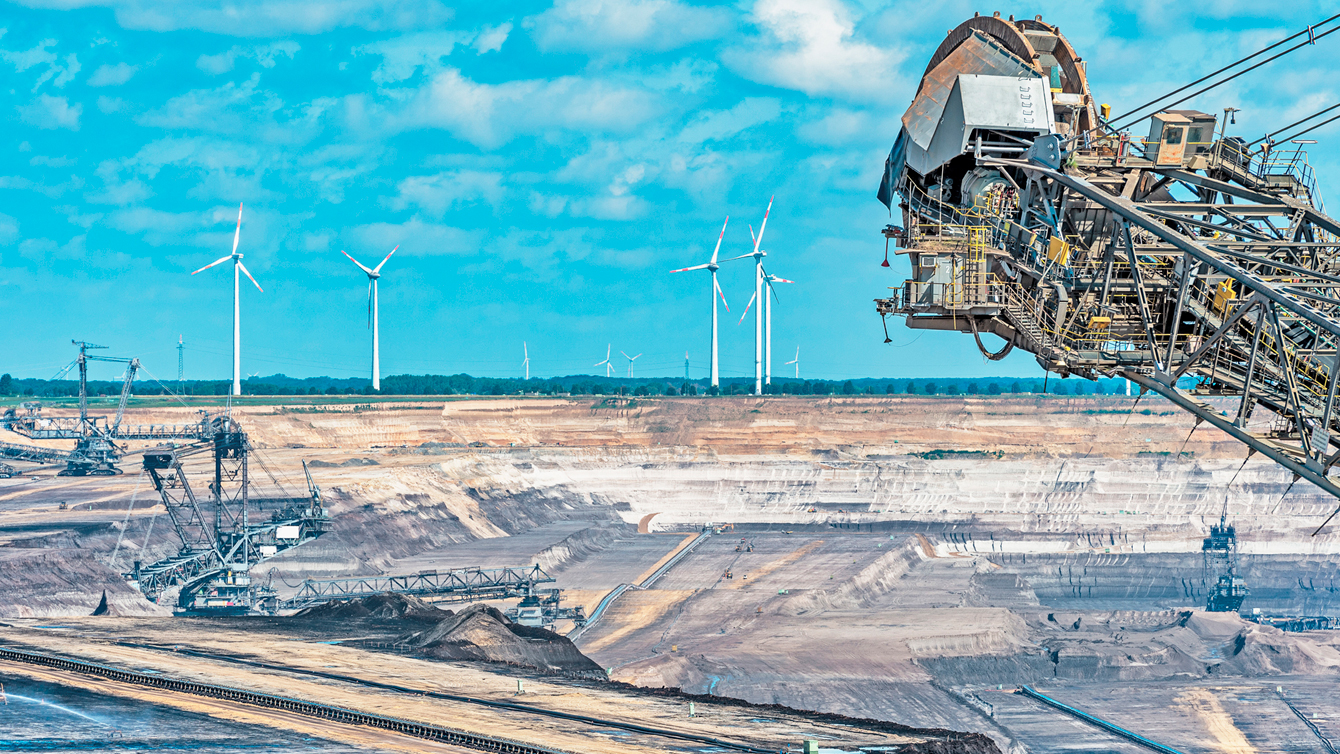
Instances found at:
x=907 y=558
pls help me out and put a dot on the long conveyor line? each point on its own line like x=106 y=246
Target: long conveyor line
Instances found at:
x=155 y=680
x=298 y=706
x=1097 y=721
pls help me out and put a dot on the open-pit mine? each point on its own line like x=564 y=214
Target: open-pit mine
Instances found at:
x=903 y=573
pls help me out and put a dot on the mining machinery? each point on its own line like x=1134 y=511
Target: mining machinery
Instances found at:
x=96 y=452
x=1219 y=551
x=1181 y=258
x=224 y=526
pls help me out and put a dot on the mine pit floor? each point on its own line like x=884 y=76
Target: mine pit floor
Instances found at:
x=109 y=642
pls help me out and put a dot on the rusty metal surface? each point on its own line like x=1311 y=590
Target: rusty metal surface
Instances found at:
x=992 y=27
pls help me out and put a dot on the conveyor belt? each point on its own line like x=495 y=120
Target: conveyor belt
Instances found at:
x=1098 y=721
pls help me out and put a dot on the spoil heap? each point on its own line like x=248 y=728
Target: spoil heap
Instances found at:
x=481 y=633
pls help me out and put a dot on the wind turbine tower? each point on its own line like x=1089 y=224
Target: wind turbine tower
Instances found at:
x=609 y=368
x=715 y=291
x=631 y=359
x=373 y=315
x=758 y=296
x=769 y=298
x=237 y=300
x=181 y=363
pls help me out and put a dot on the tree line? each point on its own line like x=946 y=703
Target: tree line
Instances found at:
x=464 y=384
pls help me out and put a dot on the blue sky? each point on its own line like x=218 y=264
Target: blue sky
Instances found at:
x=543 y=166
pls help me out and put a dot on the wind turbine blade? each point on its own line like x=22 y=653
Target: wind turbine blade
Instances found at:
x=746 y=308
x=695 y=267
x=752 y=237
x=721 y=294
x=220 y=260
x=355 y=261
x=369 y=301
x=732 y=259
x=626 y=356
x=764 y=225
x=635 y=358
x=243 y=267
x=237 y=234
x=773 y=291
x=378 y=268
x=723 y=235
x=781 y=280
x=525 y=350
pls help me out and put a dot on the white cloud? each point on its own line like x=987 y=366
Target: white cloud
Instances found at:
x=404 y=55
x=491 y=38
x=112 y=75
x=723 y=124
x=52 y=162
x=51 y=112
x=243 y=109
x=265 y=55
x=489 y=115
x=221 y=170
x=436 y=194
x=266 y=18
x=839 y=127
x=9 y=230
x=685 y=75
x=58 y=74
x=808 y=46
x=595 y=25
x=111 y=104
x=22 y=60
x=416 y=237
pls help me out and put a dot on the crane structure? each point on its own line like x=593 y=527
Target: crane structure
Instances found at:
x=224 y=528
x=1185 y=261
x=96 y=451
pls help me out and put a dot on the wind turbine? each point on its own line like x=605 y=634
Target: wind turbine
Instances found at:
x=758 y=295
x=796 y=361
x=631 y=359
x=526 y=363
x=373 y=318
x=237 y=300
x=712 y=267
x=767 y=303
x=609 y=368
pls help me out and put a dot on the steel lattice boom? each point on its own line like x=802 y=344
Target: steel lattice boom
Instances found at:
x=458 y=585
x=1184 y=261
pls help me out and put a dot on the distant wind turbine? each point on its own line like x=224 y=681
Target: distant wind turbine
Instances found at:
x=712 y=267
x=373 y=315
x=758 y=295
x=609 y=368
x=237 y=300
x=767 y=303
x=631 y=359
x=526 y=363
x=796 y=361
